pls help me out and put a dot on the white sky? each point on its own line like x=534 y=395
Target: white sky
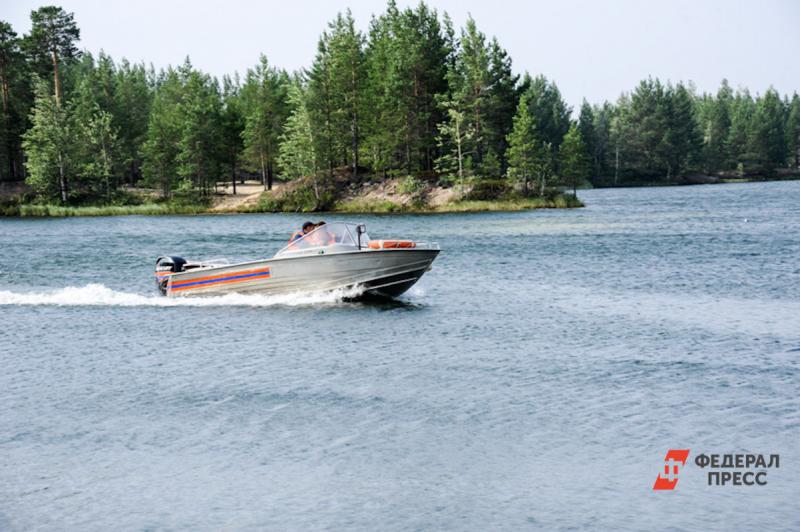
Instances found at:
x=592 y=49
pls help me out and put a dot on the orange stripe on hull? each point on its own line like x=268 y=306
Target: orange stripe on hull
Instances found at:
x=216 y=280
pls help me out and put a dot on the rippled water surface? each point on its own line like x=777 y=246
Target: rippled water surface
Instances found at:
x=535 y=378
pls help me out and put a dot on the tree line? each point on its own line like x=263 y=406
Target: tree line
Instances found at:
x=410 y=97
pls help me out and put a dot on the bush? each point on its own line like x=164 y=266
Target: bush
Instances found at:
x=410 y=185
x=488 y=189
x=369 y=206
x=9 y=206
x=300 y=199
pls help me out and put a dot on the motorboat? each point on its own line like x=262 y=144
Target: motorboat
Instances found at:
x=333 y=256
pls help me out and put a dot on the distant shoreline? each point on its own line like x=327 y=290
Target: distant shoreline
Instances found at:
x=702 y=180
x=155 y=209
x=363 y=201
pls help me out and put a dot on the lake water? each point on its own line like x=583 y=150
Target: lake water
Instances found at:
x=535 y=378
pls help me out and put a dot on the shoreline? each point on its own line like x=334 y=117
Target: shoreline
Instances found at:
x=566 y=201
x=355 y=204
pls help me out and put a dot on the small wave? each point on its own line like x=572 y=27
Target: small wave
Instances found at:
x=101 y=295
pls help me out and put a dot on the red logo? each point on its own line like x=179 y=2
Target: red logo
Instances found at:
x=673 y=462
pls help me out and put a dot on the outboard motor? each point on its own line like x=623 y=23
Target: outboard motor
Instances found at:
x=166 y=266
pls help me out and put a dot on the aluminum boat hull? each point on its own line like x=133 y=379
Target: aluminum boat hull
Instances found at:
x=383 y=273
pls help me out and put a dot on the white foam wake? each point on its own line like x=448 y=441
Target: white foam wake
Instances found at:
x=100 y=295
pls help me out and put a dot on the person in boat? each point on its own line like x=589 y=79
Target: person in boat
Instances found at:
x=323 y=237
x=307 y=228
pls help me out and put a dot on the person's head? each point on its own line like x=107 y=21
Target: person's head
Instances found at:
x=307 y=227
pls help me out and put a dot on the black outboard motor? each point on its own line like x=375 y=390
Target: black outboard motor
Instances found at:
x=164 y=267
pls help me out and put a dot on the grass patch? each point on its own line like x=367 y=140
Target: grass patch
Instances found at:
x=301 y=198
x=361 y=206
x=110 y=210
x=370 y=206
x=562 y=201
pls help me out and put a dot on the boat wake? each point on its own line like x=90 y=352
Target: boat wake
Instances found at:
x=101 y=295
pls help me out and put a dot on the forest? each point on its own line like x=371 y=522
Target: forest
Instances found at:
x=412 y=97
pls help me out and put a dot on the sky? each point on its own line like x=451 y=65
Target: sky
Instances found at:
x=591 y=49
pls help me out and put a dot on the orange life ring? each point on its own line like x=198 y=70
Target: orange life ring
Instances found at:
x=391 y=244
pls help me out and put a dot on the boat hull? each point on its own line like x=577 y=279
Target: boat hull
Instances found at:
x=383 y=273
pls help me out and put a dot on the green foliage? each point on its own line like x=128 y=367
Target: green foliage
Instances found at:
x=265 y=109
x=519 y=203
x=793 y=132
x=589 y=134
x=529 y=157
x=482 y=91
x=38 y=210
x=489 y=189
x=14 y=84
x=51 y=40
x=654 y=133
x=99 y=153
x=200 y=143
x=407 y=57
x=347 y=88
x=297 y=157
x=361 y=206
x=767 y=136
x=231 y=127
x=716 y=128
x=549 y=111
x=456 y=143
x=306 y=196
x=575 y=166
x=132 y=98
x=50 y=145
x=410 y=185
x=161 y=146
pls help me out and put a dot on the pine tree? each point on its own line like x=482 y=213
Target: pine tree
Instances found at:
x=96 y=154
x=322 y=104
x=716 y=130
x=793 y=131
x=603 y=146
x=483 y=89
x=131 y=112
x=297 y=152
x=200 y=113
x=52 y=40
x=160 y=149
x=407 y=59
x=502 y=101
x=767 y=138
x=681 y=141
x=528 y=156
x=265 y=110
x=742 y=114
x=456 y=140
x=469 y=82
x=550 y=113
x=231 y=126
x=48 y=144
x=647 y=118
x=586 y=128
x=13 y=85
x=621 y=134
x=575 y=166
x=348 y=77
x=297 y=157
x=99 y=153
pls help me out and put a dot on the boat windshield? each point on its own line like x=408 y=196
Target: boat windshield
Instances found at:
x=338 y=234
